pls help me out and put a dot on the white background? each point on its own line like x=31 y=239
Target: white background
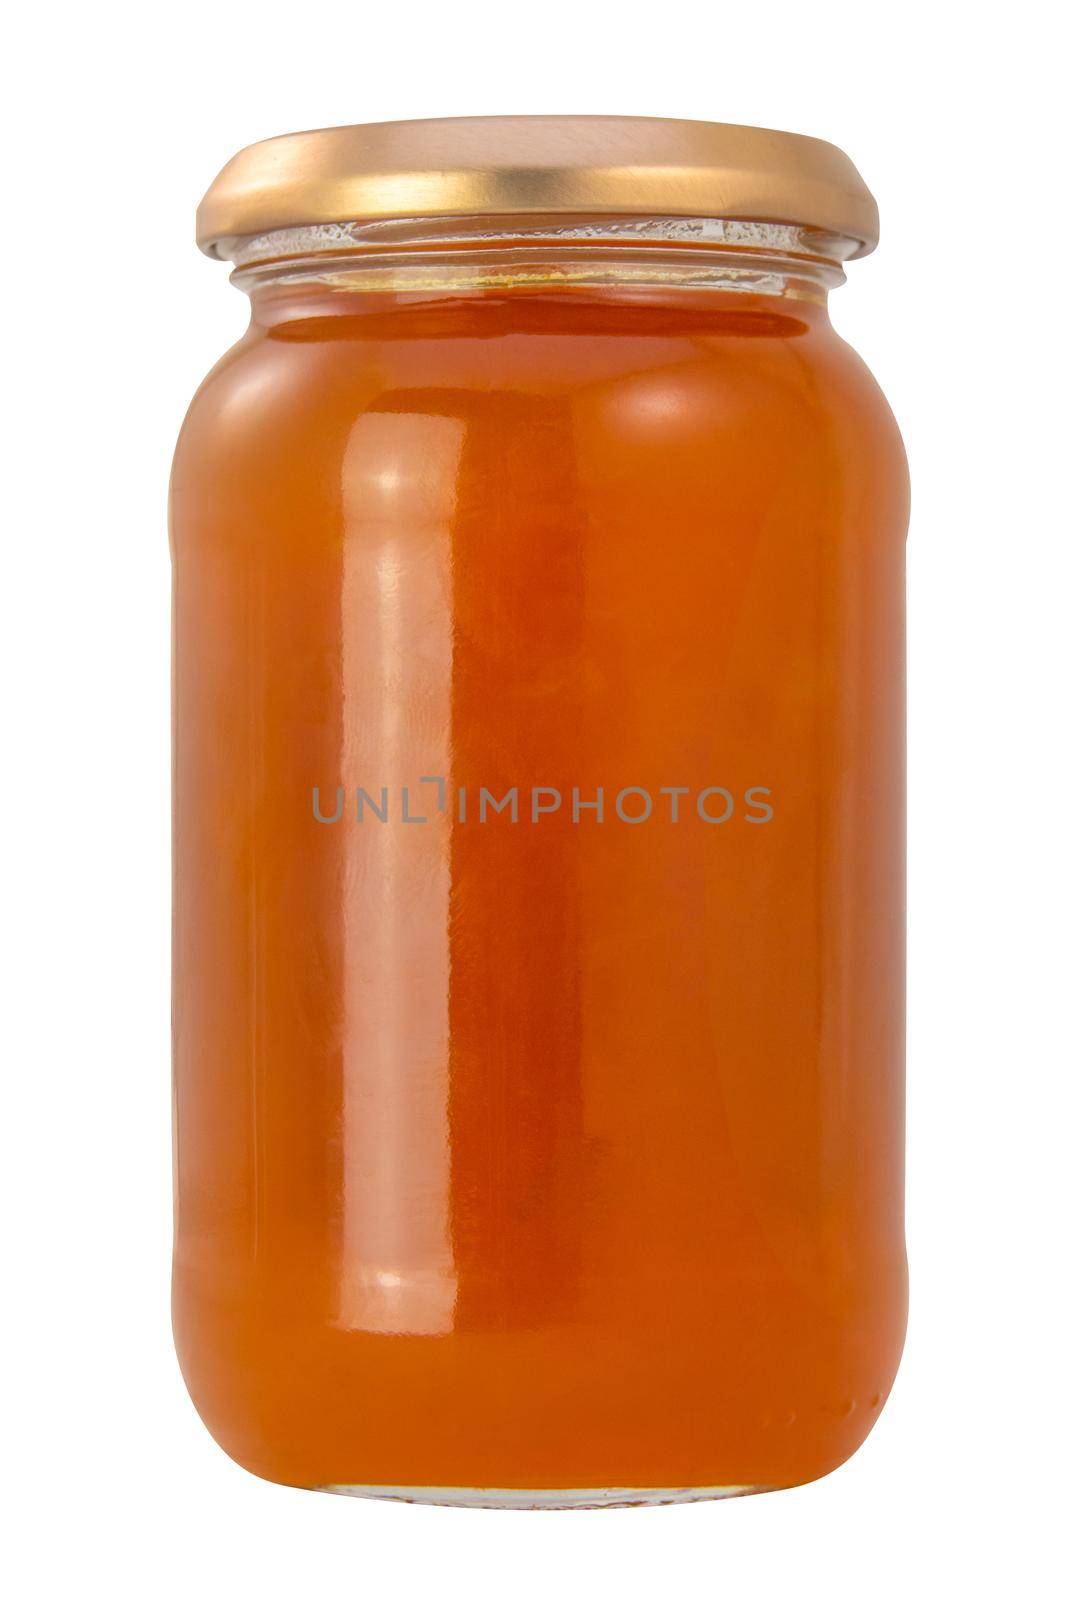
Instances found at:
x=117 y=116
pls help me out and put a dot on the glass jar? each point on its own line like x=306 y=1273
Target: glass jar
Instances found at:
x=538 y=822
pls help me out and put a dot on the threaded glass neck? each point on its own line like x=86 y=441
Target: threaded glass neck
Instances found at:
x=453 y=255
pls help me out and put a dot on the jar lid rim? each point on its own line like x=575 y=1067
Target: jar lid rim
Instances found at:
x=530 y=165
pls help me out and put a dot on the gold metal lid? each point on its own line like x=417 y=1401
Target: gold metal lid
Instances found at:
x=503 y=166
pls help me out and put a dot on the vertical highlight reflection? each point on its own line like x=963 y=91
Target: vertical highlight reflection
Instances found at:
x=397 y=1273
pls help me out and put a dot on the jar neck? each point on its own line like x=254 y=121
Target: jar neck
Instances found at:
x=447 y=256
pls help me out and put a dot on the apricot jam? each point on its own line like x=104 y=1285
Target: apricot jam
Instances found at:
x=539 y=857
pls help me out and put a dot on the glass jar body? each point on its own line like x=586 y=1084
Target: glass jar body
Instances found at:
x=539 y=888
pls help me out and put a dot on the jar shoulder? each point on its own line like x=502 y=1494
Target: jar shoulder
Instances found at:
x=758 y=394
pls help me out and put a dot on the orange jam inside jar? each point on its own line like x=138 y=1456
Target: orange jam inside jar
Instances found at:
x=539 y=819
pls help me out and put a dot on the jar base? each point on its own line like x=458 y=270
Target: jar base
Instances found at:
x=538 y=1499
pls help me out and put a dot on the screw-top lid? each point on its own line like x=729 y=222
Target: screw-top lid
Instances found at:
x=504 y=166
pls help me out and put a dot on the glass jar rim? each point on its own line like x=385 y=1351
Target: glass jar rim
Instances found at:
x=454 y=255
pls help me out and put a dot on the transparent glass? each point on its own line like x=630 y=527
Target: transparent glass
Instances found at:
x=539 y=865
